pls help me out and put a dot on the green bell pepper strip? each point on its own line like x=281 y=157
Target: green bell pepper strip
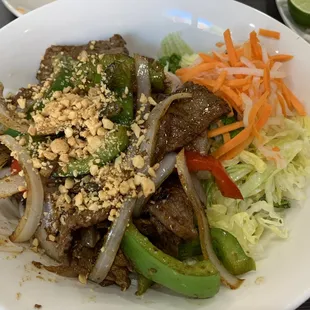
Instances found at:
x=11 y=132
x=230 y=252
x=189 y=249
x=143 y=284
x=120 y=81
x=227 y=249
x=113 y=144
x=200 y=280
x=120 y=71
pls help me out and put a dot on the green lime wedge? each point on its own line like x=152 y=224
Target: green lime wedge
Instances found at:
x=300 y=11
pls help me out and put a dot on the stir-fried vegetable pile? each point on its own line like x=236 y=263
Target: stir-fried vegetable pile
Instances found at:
x=171 y=169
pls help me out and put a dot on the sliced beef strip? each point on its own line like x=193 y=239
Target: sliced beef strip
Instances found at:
x=119 y=272
x=83 y=260
x=172 y=208
x=115 y=45
x=23 y=93
x=188 y=118
x=159 y=235
x=76 y=220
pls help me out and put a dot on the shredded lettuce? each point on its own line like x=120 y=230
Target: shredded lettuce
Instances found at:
x=268 y=176
x=189 y=60
x=174 y=44
x=176 y=53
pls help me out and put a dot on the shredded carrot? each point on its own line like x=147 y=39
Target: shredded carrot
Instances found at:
x=286 y=96
x=247 y=50
x=267 y=78
x=231 y=144
x=282 y=104
x=281 y=57
x=181 y=71
x=246 y=87
x=224 y=129
x=256 y=106
x=220 y=44
x=232 y=95
x=220 y=81
x=217 y=56
x=232 y=87
x=226 y=137
x=257 y=135
x=205 y=82
x=232 y=55
x=239 y=64
x=240 y=52
x=194 y=71
x=237 y=150
x=259 y=64
x=269 y=33
x=295 y=102
x=206 y=58
x=264 y=116
x=230 y=102
x=256 y=49
x=276 y=149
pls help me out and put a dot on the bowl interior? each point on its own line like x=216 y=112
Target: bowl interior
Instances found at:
x=143 y=24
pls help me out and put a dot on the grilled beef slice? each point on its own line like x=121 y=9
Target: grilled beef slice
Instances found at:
x=168 y=218
x=115 y=45
x=77 y=220
x=186 y=119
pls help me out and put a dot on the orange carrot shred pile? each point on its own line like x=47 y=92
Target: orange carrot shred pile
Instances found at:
x=269 y=33
x=244 y=74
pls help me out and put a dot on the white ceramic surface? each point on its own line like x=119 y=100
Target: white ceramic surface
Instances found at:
x=287 y=18
x=21 y=7
x=286 y=268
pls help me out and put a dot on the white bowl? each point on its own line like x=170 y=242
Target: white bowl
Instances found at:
x=21 y=7
x=285 y=270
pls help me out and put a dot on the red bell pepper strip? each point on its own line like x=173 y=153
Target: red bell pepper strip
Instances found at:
x=15 y=167
x=196 y=162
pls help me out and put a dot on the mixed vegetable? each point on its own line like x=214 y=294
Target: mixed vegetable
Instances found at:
x=170 y=168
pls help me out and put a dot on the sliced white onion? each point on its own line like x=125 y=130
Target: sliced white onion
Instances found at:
x=166 y=167
x=143 y=81
x=11 y=185
x=256 y=84
x=247 y=104
x=114 y=237
x=5 y=172
x=174 y=81
x=34 y=205
x=255 y=72
x=276 y=66
x=203 y=225
x=199 y=189
x=247 y=62
x=112 y=242
x=9 y=218
x=265 y=55
x=49 y=247
x=153 y=123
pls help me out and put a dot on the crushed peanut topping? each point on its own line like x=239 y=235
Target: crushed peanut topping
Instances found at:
x=71 y=125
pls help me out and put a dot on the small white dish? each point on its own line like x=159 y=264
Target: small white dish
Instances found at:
x=21 y=7
x=281 y=281
x=287 y=18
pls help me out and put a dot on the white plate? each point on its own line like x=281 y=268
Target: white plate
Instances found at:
x=287 y=18
x=286 y=268
x=21 y=7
